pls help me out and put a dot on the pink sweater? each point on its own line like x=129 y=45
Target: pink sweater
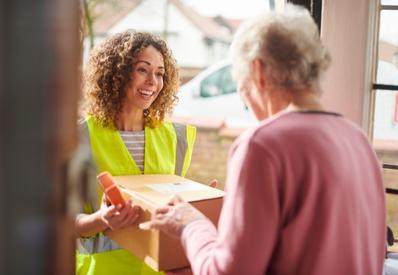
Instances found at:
x=304 y=196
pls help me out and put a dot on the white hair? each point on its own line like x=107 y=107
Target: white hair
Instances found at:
x=287 y=43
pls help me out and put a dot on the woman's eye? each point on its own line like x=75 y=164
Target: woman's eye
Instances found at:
x=160 y=75
x=141 y=70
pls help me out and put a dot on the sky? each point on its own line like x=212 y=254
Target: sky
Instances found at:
x=229 y=8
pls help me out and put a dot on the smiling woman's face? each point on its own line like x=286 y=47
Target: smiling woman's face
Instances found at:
x=146 y=79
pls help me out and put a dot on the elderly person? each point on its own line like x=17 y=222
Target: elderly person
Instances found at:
x=130 y=85
x=304 y=188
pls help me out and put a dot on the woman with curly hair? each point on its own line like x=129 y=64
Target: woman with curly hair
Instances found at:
x=130 y=85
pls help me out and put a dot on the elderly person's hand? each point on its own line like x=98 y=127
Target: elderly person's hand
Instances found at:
x=118 y=216
x=172 y=218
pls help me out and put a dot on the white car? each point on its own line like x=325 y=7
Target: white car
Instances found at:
x=212 y=94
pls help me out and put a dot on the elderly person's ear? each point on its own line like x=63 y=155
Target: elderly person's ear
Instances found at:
x=258 y=70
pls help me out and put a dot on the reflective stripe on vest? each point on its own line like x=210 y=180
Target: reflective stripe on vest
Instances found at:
x=185 y=136
x=97 y=244
x=182 y=146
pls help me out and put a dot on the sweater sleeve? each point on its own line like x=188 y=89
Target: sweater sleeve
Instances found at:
x=249 y=221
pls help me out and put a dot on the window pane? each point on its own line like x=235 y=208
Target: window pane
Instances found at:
x=227 y=83
x=389 y=2
x=386 y=146
x=386 y=115
x=391 y=181
x=387 y=69
x=218 y=83
x=210 y=86
x=392 y=212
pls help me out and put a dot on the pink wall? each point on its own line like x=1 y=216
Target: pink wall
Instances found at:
x=345 y=33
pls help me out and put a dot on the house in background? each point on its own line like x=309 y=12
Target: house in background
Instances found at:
x=196 y=41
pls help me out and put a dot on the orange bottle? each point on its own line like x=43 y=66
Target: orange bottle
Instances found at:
x=112 y=191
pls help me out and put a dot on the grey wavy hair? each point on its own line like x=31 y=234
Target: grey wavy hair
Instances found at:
x=287 y=43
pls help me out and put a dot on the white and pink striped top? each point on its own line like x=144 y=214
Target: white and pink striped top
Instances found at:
x=135 y=143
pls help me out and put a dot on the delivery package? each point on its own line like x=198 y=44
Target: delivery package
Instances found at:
x=155 y=248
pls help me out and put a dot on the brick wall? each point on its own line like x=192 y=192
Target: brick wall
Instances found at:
x=210 y=154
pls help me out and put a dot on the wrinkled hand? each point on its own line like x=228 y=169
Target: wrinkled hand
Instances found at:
x=118 y=216
x=172 y=218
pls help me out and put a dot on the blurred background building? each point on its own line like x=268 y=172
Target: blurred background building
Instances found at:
x=197 y=41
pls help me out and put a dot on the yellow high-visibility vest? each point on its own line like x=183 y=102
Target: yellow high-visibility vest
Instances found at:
x=168 y=150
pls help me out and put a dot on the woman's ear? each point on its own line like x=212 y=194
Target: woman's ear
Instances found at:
x=259 y=77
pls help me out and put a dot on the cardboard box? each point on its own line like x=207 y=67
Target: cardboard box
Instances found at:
x=155 y=248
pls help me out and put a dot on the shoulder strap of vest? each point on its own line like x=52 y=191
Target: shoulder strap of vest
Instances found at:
x=96 y=244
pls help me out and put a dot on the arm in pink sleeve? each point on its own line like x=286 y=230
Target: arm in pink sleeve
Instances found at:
x=249 y=221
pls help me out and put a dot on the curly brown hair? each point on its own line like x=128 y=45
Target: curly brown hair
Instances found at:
x=108 y=72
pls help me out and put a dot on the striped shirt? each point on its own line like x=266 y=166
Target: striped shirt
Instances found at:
x=135 y=143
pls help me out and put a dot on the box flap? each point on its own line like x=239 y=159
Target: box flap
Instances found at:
x=158 y=189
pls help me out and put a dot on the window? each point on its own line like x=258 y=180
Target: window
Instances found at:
x=218 y=83
x=385 y=102
x=385 y=86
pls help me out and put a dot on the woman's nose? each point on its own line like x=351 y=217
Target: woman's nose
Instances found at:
x=151 y=78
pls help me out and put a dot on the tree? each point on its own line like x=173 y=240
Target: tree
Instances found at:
x=90 y=11
x=87 y=7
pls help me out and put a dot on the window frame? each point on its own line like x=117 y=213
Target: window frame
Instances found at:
x=376 y=87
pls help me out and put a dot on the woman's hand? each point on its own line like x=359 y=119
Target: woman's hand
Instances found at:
x=172 y=218
x=118 y=216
